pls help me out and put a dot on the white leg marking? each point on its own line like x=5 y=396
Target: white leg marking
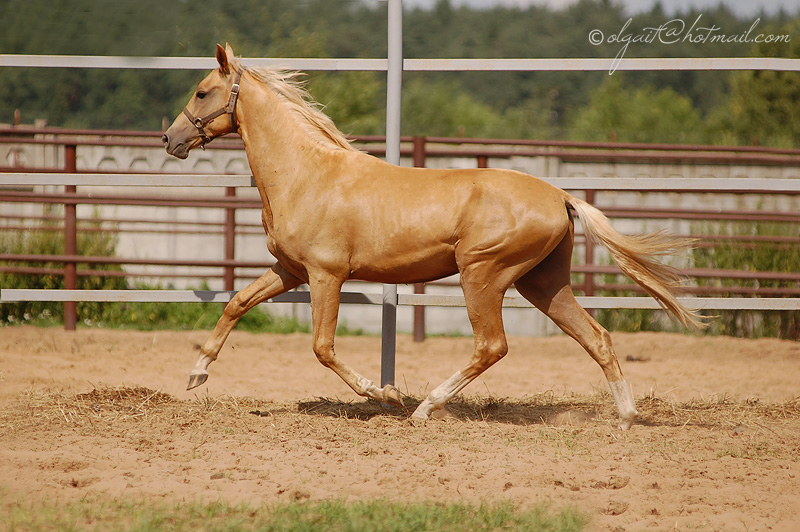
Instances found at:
x=625 y=404
x=201 y=367
x=440 y=395
x=367 y=388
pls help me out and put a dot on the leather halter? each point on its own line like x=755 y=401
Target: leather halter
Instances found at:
x=229 y=109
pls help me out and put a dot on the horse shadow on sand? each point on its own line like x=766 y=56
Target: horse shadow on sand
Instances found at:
x=543 y=409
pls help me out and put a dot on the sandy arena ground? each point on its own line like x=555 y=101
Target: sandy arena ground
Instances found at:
x=104 y=414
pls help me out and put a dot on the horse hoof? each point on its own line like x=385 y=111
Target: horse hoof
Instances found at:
x=196 y=379
x=441 y=413
x=626 y=424
x=391 y=395
x=417 y=421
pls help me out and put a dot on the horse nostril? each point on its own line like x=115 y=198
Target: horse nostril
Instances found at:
x=165 y=139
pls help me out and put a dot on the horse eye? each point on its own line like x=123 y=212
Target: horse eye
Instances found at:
x=201 y=95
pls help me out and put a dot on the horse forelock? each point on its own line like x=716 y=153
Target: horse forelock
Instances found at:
x=290 y=89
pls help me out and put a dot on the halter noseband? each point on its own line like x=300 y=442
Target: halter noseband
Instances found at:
x=229 y=109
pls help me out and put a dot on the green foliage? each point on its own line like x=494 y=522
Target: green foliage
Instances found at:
x=631 y=319
x=46 y=240
x=617 y=112
x=443 y=108
x=190 y=316
x=781 y=255
x=332 y=515
x=756 y=256
x=764 y=106
x=353 y=100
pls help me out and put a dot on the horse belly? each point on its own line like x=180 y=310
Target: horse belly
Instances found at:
x=399 y=263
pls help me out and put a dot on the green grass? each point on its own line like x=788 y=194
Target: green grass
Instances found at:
x=331 y=516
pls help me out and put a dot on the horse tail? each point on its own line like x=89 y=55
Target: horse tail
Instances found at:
x=635 y=257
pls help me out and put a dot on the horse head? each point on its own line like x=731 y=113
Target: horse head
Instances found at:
x=215 y=96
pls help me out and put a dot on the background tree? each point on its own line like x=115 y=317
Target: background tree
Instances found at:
x=508 y=104
x=442 y=108
x=618 y=112
x=764 y=106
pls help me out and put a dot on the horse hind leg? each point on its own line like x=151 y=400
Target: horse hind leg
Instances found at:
x=576 y=322
x=273 y=283
x=548 y=287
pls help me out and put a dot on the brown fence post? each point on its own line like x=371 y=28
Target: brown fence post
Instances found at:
x=70 y=239
x=419 y=288
x=230 y=240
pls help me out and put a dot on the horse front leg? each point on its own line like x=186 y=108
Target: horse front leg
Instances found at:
x=273 y=283
x=483 y=291
x=325 y=290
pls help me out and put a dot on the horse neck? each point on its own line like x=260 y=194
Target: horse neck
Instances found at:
x=278 y=149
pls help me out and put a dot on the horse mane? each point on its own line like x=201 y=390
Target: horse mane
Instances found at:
x=291 y=91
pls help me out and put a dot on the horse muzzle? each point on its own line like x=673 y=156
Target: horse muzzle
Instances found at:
x=176 y=149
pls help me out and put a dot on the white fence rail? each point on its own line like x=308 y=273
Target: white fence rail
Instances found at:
x=8 y=295
x=409 y=64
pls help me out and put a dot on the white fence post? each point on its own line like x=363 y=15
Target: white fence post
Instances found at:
x=394 y=78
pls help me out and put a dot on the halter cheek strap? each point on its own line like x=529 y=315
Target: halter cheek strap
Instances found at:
x=229 y=109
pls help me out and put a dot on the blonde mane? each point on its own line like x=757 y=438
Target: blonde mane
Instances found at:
x=290 y=89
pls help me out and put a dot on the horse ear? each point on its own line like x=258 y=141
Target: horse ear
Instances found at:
x=222 y=59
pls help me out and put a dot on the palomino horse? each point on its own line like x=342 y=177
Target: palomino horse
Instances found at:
x=333 y=213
